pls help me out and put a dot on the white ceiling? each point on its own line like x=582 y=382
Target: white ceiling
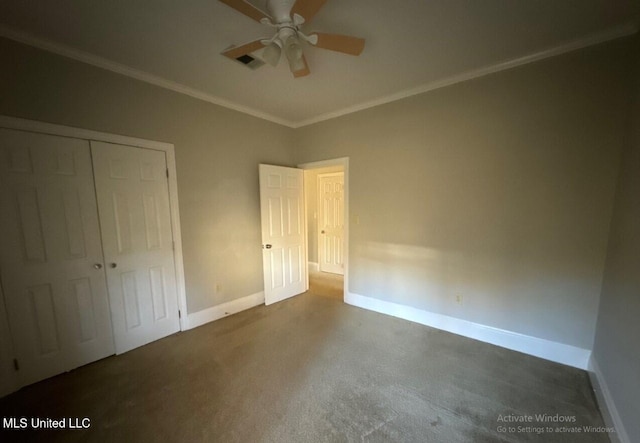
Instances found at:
x=410 y=44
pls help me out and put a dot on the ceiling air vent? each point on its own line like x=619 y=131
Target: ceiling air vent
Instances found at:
x=249 y=61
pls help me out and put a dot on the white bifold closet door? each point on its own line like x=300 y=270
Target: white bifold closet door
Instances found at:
x=51 y=256
x=86 y=256
x=135 y=220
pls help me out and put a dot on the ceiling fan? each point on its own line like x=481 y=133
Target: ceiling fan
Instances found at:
x=287 y=16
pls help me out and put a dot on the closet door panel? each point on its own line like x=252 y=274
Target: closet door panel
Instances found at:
x=51 y=260
x=135 y=218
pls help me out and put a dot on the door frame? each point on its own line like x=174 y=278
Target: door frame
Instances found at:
x=344 y=162
x=21 y=124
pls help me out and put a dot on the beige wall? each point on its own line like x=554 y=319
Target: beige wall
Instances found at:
x=499 y=189
x=217 y=156
x=311 y=197
x=616 y=347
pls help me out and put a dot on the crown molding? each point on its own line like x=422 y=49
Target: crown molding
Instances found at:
x=94 y=60
x=100 y=62
x=590 y=40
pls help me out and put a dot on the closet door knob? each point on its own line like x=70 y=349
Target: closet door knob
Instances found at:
x=113 y=265
x=98 y=266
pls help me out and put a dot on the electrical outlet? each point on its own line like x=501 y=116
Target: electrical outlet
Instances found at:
x=459 y=299
x=218 y=288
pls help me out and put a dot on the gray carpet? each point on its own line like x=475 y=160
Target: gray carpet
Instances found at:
x=311 y=369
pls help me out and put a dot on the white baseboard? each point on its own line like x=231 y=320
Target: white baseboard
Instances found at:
x=224 y=310
x=538 y=347
x=314 y=267
x=607 y=406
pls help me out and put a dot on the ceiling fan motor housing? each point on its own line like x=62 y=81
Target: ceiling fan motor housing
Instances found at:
x=280 y=10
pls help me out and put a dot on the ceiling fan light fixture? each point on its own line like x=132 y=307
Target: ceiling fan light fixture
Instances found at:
x=297 y=65
x=272 y=53
x=293 y=49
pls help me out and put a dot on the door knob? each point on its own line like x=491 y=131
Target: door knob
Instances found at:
x=267 y=246
x=98 y=266
x=113 y=265
x=322 y=232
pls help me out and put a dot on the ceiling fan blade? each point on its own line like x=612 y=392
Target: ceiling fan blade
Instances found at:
x=340 y=43
x=307 y=8
x=239 y=51
x=302 y=72
x=247 y=9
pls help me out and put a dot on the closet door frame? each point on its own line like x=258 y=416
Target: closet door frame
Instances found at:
x=6 y=352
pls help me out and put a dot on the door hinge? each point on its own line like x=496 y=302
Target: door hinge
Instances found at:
x=179 y=314
x=167 y=172
x=16 y=366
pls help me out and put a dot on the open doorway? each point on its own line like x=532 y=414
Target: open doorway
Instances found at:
x=326 y=200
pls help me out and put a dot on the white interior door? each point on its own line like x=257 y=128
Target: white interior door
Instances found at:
x=331 y=222
x=135 y=220
x=51 y=256
x=283 y=245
